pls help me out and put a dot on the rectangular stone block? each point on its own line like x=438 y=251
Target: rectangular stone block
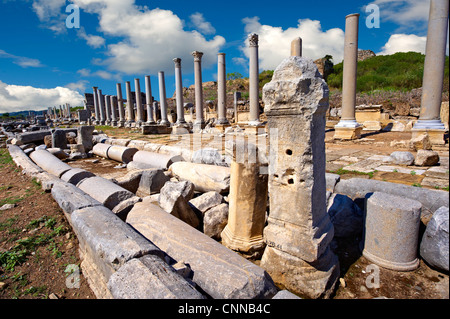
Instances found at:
x=155 y=129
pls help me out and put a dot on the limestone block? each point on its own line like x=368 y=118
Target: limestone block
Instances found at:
x=151 y=182
x=174 y=197
x=426 y=158
x=206 y=201
x=109 y=241
x=421 y=142
x=59 y=139
x=105 y=191
x=205 y=177
x=149 y=277
x=76 y=175
x=434 y=247
x=49 y=162
x=156 y=160
x=391 y=233
x=402 y=158
x=359 y=187
x=215 y=220
x=220 y=272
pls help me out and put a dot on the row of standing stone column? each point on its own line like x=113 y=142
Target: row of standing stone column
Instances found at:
x=429 y=119
x=64 y=112
x=110 y=110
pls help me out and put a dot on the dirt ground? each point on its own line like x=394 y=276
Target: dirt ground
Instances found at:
x=36 y=231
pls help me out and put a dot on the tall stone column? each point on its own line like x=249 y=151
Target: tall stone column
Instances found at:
x=248 y=200
x=299 y=230
x=199 y=123
x=113 y=110
x=149 y=100
x=120 y=105
x=179 y=92
x=163 y=99
x=222 y=120
x=108 y=109
x=139 y=109
x=296 y=47
x=433 y=74
x=130 y=104
x=254 y=81
x=101 y=106
x=348 y=128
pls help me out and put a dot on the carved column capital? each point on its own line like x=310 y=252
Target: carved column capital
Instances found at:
x=253 y=39
x=177 y=62
x=197 y=56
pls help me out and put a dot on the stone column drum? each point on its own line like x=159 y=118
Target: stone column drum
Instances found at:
x=163 y=99
x=433 y=74
x=222 y=120
x=348 y=128
x=299 y=230
x=149 y=100
x=199 y=123
x=391 y=232
x=130 y=106
x=120 y=104
x=296 y=47
x=248 y=200
x=139 y=109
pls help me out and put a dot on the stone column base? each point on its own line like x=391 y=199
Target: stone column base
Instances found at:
x=249 y=247
x=198 y=127
x=179 y=129
x=311 y=280
x=255 y=129
x=347 y=133
x=222 y=127
x=436 y=135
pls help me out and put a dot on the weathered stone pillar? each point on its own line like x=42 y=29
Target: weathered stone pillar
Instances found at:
x=222 y=121
x=101 y=105
x=179 y=92
x=348 y=128
x=139 y=109
x=248 y=200
x=433 y=74
x=199 y=123
x=113 y=100
x=163 y=99
x=108 y=109
x=237 y=97
x=254 y=81
x=130 y=104
x=299 y=230
x=120 y=104
x=296 y=47
x=149 y=100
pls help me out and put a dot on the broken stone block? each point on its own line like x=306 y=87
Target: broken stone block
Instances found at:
x=151 y=182
x=149 y=277
x=174 y=199
x=205 y=177
x=391 y=233
x=346 y=216
x=121 y=154
x=426 y=158
x=421 y=142
x=402 y=158
x=218 y=271
x=76 y=175
x=101 y=149
x=206 y=201
x=434 y=247
x=215 y=220
x=84 y=136
x=59 y=139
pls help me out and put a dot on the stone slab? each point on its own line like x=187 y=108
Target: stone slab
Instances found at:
x=220 y=272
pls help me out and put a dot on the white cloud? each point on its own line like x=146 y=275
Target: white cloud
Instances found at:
x=199 y=23
x=275 y=43
x=150 y=38
x=79 y=86
x=404 y=43
x=14 y=98
x=24 y=62
x=94 y=41
x=101 y=74
x=50 y=14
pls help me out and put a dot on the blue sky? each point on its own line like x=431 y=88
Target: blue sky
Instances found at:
x=44 y=63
